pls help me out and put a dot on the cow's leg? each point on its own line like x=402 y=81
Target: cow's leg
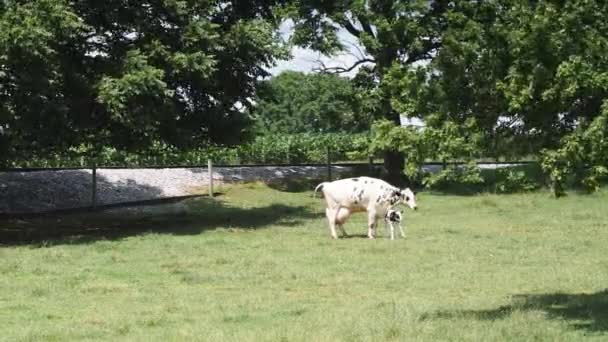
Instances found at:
x=371 y=224
x=341 y=218
x=392 y=230
x=401 y=229
x=331 y=218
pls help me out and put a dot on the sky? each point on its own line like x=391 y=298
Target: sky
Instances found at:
x=306 y=60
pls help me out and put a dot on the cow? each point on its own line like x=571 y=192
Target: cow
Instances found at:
x=350 y=195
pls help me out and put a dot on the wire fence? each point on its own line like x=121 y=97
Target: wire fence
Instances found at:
x=93 y=185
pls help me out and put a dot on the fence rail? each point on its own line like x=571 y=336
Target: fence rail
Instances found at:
x=199 y=166
x=95 y=185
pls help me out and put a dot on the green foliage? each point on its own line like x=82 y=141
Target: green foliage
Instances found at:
x=294 y=102
x=462 y=175
x=448 y=142
x=511 y=181
x=127 y=74
x=526 y=72
x=390 y=32
x=582 y=157
x=277 y=149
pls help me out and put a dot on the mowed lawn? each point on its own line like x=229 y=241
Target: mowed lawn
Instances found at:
x=257 y=264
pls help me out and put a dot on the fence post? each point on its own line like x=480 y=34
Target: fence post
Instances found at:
x=329 y=163
x=371 y=166
x=94 y=188
x=210 y=169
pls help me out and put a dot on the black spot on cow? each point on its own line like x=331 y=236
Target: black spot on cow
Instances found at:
x=360 y=194
x=355 y=179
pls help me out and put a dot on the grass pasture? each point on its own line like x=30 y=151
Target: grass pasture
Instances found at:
x=257 y=264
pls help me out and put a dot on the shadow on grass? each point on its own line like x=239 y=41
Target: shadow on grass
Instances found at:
x=187 y=217
x=586 y=311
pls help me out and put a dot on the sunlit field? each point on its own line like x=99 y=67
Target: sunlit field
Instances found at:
x=257 y=264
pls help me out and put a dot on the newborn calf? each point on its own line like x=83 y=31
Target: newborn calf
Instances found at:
x=393 y=217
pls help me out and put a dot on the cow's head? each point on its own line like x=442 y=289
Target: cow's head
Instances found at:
x=409 y=198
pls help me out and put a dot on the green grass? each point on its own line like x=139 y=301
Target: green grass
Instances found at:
x=257 y=264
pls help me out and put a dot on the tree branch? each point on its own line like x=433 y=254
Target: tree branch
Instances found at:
x=340 y=70
x=426 y=54
x=348 y=25
x=366 y=26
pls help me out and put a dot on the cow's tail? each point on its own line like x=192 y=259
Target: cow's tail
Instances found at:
x=319 y=187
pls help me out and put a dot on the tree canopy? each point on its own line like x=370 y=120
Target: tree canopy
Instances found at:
x=489 y=78
x=294 y=102
x=128 y=73
x=390 y=32
x=517 y=75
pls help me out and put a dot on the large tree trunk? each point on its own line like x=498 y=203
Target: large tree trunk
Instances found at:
x=393 y=164
x=394 y=161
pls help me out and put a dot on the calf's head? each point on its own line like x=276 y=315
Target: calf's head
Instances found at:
x=393 y=216
x=409 y=198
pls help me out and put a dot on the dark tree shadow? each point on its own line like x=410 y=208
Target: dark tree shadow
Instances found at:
x=585 y=311
x=48 y=191
x=186 y=217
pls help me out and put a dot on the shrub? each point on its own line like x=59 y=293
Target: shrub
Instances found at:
x=511 y=181
x=582 y=158
x=276 y=149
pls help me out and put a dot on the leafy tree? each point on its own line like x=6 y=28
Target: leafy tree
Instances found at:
x=294 y=102
x=528 y=73
x=448 y=142
x=128 y=73
x=391 y=32
x=582 y=156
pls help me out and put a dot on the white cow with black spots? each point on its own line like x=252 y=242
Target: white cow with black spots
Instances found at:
x=350 y=195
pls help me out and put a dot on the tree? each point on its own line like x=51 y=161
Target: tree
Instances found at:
x=129 y=73
x=391 y=33
x=294 y=102
x=528 y=73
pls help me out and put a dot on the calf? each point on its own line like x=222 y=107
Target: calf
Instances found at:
x=350 y=195
x=393 y=217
